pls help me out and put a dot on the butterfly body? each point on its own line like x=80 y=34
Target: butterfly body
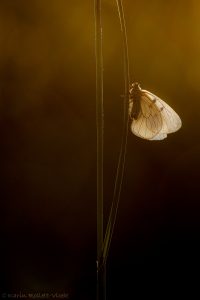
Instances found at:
x=151 y=117
x=135 y=97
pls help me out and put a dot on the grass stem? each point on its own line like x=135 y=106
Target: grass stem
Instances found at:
x=122 y=155
x=100 y=128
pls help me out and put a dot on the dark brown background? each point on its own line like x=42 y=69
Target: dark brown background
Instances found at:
x=48 y=148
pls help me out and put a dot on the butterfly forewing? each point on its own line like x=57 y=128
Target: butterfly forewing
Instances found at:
x=171 y=120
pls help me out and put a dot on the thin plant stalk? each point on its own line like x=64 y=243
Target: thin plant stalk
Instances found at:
x=122 y=155
x=100 y=128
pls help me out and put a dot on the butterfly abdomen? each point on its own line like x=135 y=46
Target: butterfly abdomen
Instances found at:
x=135 y=101
x=136 y=108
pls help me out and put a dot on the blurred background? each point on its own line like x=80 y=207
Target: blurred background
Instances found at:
x=48 y=149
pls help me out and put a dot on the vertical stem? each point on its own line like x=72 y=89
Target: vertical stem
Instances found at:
x=122 y=155
x=99 y=126
x=125 y=50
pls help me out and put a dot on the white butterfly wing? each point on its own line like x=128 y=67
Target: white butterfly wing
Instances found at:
x=171 y=120
x=149 y=121
x=156 y=118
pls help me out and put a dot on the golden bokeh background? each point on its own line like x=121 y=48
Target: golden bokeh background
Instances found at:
x=48 y=147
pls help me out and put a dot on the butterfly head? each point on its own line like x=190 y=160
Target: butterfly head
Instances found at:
x=135 y=88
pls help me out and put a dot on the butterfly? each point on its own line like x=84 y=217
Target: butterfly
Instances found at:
x=151 y=118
